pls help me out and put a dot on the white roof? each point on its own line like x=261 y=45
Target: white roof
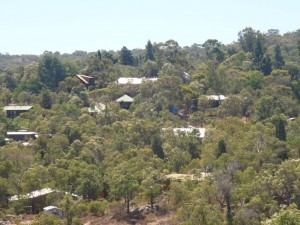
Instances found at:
x=17 y=107
x=98 y=108
x=125 y=98
x=50 y=207
x=134 y=80
x=200 y=132
x=21 y=133
x=216 y=97
x=38 y=193
x=33 y=194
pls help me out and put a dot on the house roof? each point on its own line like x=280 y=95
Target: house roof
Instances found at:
x=125 y=98
x=85 y=79
x=134 y=80
x=12 y=133
x=33 y=194
x=216 y=97
x=17 y=108
x=37 y=193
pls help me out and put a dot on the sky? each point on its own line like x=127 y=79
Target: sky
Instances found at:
x=35 y=26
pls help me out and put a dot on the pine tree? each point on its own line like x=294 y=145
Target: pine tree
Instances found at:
x=266 y=65
x=280 y=132
x=46 y=100
x=149 y=51
x=99 y=55
x=221 y=148
x=156 y=145
x=258 y=54
x=126 y=57
x=279 y=62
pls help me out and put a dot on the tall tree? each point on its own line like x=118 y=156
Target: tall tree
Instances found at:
x=266 y=65
x=280 y=130
x=50 y=71
x=221 y=148
x=247 y=38
x=46 y=102
x=258 y=54
x=156 y=145
x=126 y=57
x=279 y=62
x=149 y=51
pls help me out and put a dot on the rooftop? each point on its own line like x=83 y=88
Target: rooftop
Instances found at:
x=85 y=79
x=17 y=107
x=216 y=97
x=125 y=98
x=134 y=80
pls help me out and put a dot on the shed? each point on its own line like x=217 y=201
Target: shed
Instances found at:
x=125 y=101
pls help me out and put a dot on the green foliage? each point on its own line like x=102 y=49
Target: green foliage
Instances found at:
x=126 y=57
x=97 y=208
x=46 y=100
x=50 y=71
x=279 y=62
x=89 y=146
x=47 y=219
x=149 y=51
x=221 y=148
x=280 y=132
x=156 y=145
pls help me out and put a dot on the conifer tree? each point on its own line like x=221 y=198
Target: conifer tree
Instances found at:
x=266 y=65
x=149 y=51
x=279 y=62
x=156 y=145
x=126 y=57
x=280 y=130
x=221 y=148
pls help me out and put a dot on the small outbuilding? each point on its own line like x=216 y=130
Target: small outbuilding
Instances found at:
x=125 y=101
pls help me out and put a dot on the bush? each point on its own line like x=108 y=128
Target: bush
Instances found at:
x=97 y=208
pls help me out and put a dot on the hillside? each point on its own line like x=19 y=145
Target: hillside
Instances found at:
x=200 y=134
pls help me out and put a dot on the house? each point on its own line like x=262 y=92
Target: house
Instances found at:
x=36 y=200
x=134 y=80
x=197 y=132
x=86 y=80
x=22 y=135
x=125 y=101
x=53 y=210
x=13 y=111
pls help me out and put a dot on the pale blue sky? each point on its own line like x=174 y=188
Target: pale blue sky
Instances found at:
x=33 y=26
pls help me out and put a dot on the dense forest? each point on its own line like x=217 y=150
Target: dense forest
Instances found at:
x=106 y=158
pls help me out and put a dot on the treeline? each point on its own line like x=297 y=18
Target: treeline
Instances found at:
x=250 y=150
